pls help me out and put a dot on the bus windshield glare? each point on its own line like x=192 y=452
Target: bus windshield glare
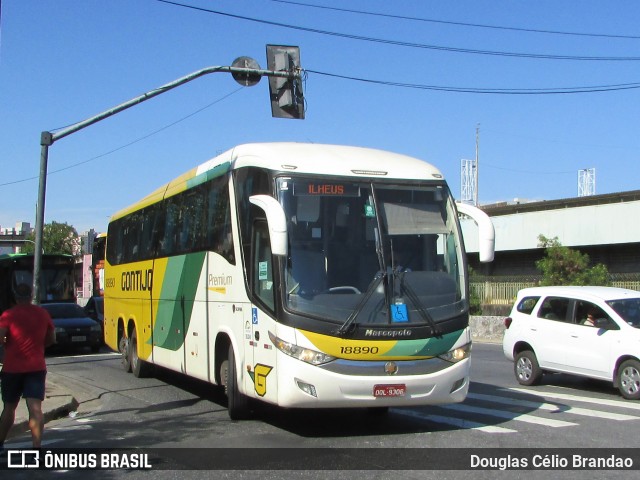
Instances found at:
x=372 y=254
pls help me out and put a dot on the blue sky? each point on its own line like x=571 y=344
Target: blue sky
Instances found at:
x=66 y=60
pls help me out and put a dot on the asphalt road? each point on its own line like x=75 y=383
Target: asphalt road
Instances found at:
x=170 y=411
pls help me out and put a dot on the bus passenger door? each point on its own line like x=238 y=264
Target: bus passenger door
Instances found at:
x=194 y=314
x=262 y=374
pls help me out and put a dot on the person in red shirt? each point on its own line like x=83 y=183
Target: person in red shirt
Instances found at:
x=25 y=330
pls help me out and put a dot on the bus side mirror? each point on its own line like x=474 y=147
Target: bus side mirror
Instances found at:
x=486 y=232
x=276 y=220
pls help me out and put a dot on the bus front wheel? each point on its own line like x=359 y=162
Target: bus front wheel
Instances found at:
x=238 y=403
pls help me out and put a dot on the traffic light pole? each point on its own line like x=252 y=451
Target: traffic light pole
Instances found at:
x=48 y=138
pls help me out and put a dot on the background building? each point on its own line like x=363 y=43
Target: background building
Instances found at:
x=605 y=227
x=12 y=239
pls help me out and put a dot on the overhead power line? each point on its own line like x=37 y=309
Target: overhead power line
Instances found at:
x=538 y=56
x=121 y=147
x=494 y=91
x=462 y=24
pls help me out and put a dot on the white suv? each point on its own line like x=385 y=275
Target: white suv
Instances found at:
x=588 y=331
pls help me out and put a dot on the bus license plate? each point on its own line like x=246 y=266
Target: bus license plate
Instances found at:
x=389 y=390
x=79 y=339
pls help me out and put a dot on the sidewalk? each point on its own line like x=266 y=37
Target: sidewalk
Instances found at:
x=58 y=402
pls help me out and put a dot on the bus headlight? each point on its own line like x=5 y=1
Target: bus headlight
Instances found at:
x=305 y=354
x=457 y=354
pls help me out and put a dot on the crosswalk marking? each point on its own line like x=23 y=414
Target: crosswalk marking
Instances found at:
x=534 y=405
x=553 y=407
x=576 y=398
x=519 y=417
x=454 y=421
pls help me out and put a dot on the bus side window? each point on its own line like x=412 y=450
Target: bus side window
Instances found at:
x=172 y=217
x=263 y=287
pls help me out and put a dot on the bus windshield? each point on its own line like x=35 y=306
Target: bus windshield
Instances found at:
x=372 y=253
x=56 y=277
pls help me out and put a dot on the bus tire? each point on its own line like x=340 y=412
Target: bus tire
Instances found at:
x=237 y=403
x=139 y=367
x=123 y=347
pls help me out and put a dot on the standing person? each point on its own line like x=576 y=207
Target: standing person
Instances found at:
x=25 y=330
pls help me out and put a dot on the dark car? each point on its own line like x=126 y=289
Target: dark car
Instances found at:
x=95 y=309
x=74 y=329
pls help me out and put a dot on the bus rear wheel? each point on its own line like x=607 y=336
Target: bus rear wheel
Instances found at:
x=237 y=403
x=139 y=367
x=123 y=348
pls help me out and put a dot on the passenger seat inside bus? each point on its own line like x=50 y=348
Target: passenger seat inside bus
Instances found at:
x=307 y=257
x=308 y=270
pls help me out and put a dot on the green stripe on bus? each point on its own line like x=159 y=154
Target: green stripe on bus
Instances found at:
x=209 y=174
x=429 y=347
x=177 y=295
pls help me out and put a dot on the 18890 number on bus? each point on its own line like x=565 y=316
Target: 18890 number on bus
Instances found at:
x=359 y=350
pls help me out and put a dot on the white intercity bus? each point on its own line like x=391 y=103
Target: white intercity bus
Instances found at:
x=300 y=275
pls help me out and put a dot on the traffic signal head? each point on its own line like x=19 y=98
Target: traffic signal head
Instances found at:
x=287 y=98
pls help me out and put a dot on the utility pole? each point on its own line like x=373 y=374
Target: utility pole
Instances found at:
x=286 y=95
x=475 y=199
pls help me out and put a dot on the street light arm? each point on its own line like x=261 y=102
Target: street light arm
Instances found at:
x=48 y=138
x=154 y=93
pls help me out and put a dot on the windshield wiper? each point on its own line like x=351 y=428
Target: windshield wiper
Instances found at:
x=349 y=326
x=424 y=313
x=381 y=276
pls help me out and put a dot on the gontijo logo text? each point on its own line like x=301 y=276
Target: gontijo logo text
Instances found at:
x=137 y=280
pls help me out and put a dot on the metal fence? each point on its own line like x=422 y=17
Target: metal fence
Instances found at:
x=504 y=293
x=498 y=293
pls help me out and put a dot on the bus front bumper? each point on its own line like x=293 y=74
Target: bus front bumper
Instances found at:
x=322 y=387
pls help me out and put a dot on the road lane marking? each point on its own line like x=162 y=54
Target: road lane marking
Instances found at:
x=71 y=427
x=81 y=356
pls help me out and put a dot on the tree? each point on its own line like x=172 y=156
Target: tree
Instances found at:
x=563 y=266
x=475 y=302
x=56 y=238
